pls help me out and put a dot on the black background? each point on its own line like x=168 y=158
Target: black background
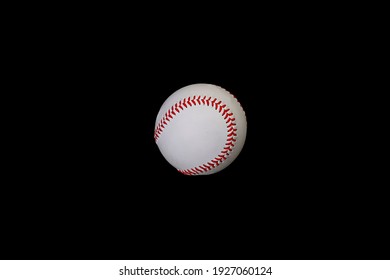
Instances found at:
x=88 y=181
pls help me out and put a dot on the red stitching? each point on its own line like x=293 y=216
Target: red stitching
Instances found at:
x=231 y=124
x=230 y=129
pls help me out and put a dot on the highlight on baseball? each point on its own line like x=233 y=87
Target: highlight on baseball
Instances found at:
x=200 y=129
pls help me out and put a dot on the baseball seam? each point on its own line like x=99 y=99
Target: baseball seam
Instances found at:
x=218 y=105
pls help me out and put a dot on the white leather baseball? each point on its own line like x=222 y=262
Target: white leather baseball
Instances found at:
x=200 y=129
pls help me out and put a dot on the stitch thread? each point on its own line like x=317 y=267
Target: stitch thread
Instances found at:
x=231 y=130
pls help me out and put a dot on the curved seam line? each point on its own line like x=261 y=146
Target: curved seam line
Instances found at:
x=230 y=126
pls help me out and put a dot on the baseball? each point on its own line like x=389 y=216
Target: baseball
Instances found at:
x=200 y=129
